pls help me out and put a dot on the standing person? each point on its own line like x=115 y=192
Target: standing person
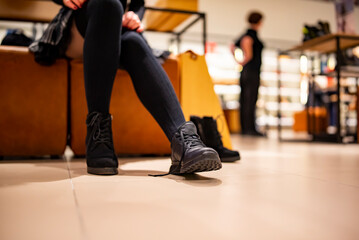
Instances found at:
x=110 y=37
x=250 y=75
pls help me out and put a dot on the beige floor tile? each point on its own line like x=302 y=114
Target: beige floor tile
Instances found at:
x=329 y=162
x=242 y=201
x=37 y=201
x=277 y=191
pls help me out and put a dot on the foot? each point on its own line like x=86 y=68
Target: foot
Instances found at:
x=100 y=154
x=189 y=154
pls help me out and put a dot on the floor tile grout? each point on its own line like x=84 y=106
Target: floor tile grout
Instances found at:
x=78 y=210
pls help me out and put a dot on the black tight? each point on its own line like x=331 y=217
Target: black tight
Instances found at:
x=106 y=46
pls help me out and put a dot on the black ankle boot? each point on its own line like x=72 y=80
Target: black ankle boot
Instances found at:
x=100 y=155
x=207 y=129
x=189 y=154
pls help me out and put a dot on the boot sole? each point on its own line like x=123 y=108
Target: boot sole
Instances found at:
x=102 y=171
x=204 y=165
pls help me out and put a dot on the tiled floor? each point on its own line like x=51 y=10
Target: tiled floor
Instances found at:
x=277 y=191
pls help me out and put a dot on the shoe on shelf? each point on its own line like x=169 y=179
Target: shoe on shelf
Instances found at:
x=208 y=131
x=100 y=154
x=189 y=154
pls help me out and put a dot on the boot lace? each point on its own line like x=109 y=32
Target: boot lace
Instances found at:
x=191 y=140
x=102 y=128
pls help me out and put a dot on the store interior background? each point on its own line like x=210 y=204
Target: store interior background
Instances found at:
x=282 y=30
x=226 y=20
x=278 y=190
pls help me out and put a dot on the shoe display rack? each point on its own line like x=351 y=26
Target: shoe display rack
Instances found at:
x=342 y=93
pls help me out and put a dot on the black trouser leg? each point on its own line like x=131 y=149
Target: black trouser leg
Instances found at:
x=151 y=83
x=249 y=83
x=99 y=22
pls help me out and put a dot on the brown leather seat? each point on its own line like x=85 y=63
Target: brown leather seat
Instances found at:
x=134 y=129
x=33 y=103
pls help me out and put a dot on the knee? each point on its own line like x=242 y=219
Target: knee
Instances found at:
x=107 y=7
x=133 y=40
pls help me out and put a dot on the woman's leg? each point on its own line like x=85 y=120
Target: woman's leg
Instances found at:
x=248 y=99
x=151 y=83
x=99 y=22
x=155 y=91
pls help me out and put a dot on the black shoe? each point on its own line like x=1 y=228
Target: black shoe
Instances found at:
x=208 y=131
x=189 y=154
x=100 y=154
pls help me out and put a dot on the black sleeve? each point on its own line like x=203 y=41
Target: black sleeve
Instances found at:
x=138 y=7
x=60 y=2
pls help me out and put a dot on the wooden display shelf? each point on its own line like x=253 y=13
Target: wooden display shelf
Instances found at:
x=331 y=43
x=168 y=21
x=328 y=43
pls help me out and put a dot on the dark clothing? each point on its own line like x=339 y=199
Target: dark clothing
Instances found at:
x=54 y=40
x=256 y=61
x=106 y=46
x=249 y=94
x=249 y=83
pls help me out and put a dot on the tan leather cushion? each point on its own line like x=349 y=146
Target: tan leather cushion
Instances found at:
x=134 y=129
x=33 y=103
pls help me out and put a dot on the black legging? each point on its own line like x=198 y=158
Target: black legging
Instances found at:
x=249 y=83
x=106 y=46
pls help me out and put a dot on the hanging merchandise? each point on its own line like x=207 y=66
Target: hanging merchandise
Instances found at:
x=345 y=16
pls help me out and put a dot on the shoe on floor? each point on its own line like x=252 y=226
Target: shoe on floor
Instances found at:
x=189 y=154
x=208 y=131
x=100 y=154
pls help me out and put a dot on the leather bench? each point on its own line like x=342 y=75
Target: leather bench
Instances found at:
x=35 y=108
x=33 y=103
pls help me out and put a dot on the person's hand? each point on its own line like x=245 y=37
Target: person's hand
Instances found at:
x=74 y=4
x=131 y=21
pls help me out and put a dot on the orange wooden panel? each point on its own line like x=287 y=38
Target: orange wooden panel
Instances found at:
x=164 y=21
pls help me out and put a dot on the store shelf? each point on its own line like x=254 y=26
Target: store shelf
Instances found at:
x=284 y=107
x=327 y=43
x=346 y=72
x=284 y=92
x=221 y=89
x=334 y=86
x=272 y=121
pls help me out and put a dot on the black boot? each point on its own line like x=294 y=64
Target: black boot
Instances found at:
x=100 y=155
x=189 y=154
x=207 y=128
